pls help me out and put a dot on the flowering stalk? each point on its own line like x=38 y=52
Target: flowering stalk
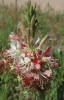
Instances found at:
x=29 y=63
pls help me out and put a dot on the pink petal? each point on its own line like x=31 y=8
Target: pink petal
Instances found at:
x=22 y=46
x=27 y=54
x=47 y=52
x=40 y=53
x=36 y=61
x=37 y=66
x=15 y=37
x=48 y=73
x=54 y=65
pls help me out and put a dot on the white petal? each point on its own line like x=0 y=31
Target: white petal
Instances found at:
x=11 y=34
x=32 y=65
x=27 y=60
x=18 y=45
x=22 y=55
x=13 y=46
x=22 y=61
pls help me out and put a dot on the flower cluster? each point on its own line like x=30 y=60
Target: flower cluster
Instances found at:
x=34 y=65
x=5 y=61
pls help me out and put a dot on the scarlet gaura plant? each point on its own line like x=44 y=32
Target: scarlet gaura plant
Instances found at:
x=33 y=65
x=26 y=57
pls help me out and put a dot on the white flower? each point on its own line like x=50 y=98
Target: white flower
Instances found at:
x=24 y=69
x=18 y=45
x=13 y=44
x=22 y=61
x=27 y=60
x=11 y=52
x=32 y=66
x=22 y=55
x=11 y=34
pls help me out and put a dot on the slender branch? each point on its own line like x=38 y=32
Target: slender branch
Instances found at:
x=43 y=41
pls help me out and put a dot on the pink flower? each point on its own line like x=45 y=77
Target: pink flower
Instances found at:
x=26 y=81
x=2 y=67
x=35 y=76
x=54 y=65
x=48 y=73
x=27 y=54
x=1 y=61
x=36 y=56
x=21 y=74
x=18 y=65
x=36 y=61
x=37 y=66
x=47 y=52
x=15 y=37
x=22 y=46
x=16 y=70
x=8 y=68
x=40 y=53
x=7 y=61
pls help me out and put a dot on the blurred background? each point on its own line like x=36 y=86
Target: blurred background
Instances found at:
x=58 y=5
